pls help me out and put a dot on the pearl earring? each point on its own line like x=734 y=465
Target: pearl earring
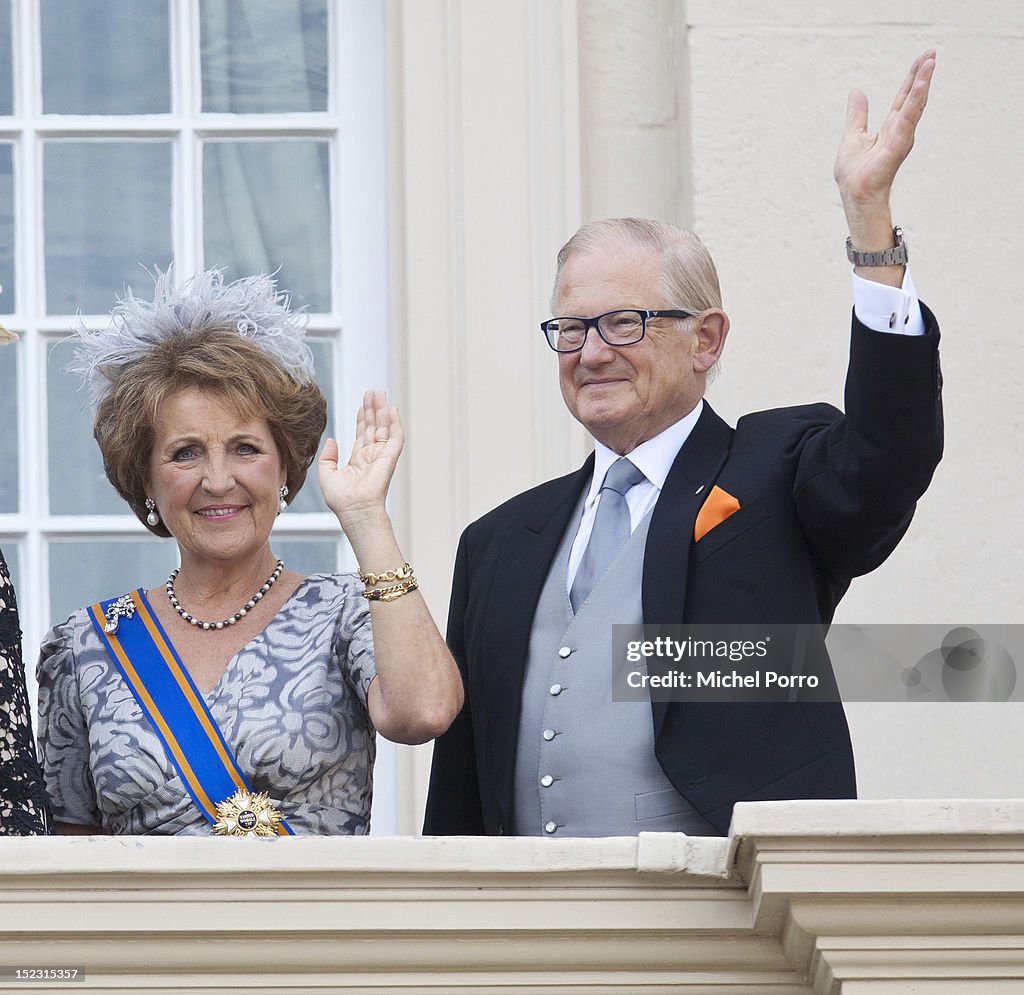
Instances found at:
x=152 y=519
x=283 y=506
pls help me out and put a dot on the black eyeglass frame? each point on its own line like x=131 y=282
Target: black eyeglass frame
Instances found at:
x=589 y=323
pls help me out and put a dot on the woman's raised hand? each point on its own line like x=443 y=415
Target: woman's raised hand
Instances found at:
x=359 y=489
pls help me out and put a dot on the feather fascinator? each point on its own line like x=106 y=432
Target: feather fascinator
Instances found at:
x=252 y=305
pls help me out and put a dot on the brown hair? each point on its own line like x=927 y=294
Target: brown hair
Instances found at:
x=222 y=362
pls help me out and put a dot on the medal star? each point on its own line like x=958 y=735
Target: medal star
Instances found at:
x=247 y=814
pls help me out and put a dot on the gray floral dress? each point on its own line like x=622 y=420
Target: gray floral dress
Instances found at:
x=291 y=706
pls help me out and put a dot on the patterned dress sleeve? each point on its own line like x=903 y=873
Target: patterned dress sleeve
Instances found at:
x=22 y=801
x=353 y=639
x=64 y=746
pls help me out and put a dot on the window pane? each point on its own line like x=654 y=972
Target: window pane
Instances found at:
x=105 y=57
x=9 y=428
x=266 y=208
x=83 y=572
x=6 y=62
x=78 y=485
x=107 y=211
x=310 y=498
x=308 y=556
x=263 y=56
x=7 y=301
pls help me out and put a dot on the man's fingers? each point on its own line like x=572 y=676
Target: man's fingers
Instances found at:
x=906 y=85
x=917 y=100
x=856 y=111
x=912 y=93
x=901 y=126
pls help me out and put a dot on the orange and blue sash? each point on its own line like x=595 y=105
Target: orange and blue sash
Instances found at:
x=170 y=700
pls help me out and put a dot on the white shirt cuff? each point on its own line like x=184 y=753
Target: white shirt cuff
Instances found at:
x=888 y=309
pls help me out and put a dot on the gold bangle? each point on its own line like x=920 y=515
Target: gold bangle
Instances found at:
x=392 y=592
x=404 y=572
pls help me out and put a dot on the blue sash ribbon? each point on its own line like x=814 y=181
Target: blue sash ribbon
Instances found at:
x=171 y=702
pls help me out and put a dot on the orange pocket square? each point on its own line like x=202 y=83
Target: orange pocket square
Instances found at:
x=715 y=510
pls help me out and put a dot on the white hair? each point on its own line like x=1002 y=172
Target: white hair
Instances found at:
x=689 y=278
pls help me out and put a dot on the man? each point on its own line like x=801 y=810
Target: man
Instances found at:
x=767 y=522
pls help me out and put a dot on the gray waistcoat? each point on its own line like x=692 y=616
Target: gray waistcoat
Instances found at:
x=585 y=765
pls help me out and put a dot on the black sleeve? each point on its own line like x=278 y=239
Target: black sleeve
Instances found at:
x=453 y=798
x=858 y=480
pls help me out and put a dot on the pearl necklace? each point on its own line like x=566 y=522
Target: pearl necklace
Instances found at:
x=240 y=614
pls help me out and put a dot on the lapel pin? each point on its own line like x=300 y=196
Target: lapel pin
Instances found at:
x=699 y=489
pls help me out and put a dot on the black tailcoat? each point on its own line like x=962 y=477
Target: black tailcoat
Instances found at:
x=824 y=497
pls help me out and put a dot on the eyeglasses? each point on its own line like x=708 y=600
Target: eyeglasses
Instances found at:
x=618 y=328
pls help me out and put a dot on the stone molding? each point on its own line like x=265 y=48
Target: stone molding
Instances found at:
x=861 y=898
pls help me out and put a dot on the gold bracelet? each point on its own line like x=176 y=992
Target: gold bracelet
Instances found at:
x=404 y=572
x=393 y=592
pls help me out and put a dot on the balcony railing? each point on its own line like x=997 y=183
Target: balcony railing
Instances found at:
x=861 y=898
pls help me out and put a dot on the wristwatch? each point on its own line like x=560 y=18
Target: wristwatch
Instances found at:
x=896 y=256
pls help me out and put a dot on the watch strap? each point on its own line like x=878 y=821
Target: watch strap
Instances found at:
x=896 y=256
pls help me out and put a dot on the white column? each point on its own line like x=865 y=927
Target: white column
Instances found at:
x=634 y=102
x=485 y=189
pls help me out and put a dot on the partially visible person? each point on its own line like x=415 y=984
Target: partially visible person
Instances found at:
x=238 y=697
x=22 y=802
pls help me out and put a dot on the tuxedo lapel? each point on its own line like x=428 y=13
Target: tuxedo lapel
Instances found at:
x=687 y=486
x=667 y=555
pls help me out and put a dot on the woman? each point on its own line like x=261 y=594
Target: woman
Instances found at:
x=239 y=697
x=22 y=805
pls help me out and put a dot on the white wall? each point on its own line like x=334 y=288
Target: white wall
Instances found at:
x=768 y=99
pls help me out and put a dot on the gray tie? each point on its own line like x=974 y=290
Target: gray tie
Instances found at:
x=610 y=532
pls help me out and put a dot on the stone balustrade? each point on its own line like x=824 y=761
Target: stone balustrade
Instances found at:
x=858 y=898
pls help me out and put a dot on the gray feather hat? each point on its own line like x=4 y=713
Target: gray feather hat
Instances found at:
x=252 y=305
